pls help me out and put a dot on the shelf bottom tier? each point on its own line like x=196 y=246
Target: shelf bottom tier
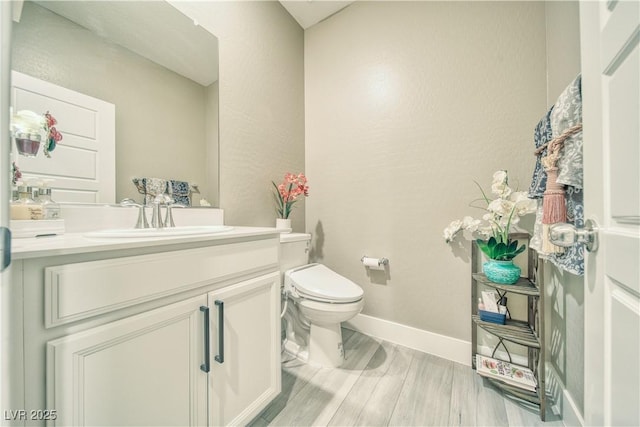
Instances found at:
x=528 y=395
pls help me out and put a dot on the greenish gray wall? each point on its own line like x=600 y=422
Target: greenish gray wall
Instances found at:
x=565 y=292
x=149 y=140
x=261 y=104
x=407 y=103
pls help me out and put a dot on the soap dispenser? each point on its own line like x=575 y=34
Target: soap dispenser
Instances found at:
x=50 y=208
x=25 y=207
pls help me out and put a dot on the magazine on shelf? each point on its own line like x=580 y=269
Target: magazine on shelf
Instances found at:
x=506 y=372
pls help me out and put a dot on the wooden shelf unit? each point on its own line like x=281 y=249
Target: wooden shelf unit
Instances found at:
x=525 y=332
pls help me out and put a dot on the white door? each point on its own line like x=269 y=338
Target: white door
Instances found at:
x=610 y=32
x=5 y=195
x=82 y=166
x=245 y=368
x=144 y=370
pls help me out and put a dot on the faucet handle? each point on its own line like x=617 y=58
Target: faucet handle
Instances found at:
x=168 y=219
x=129 y=202
x=162 y=199
x=142 y=217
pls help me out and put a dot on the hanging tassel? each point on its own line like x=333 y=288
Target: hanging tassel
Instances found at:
x=553 y=202
x=554 y=207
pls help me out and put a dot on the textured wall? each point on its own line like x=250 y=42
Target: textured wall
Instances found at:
x=212 y=166
x=565 y=302
x=261 y=104
x=406 y=103
x=149 y=140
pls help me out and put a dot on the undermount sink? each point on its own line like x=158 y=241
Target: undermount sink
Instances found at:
x=160 y=232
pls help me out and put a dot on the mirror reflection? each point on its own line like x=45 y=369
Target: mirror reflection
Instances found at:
x=153 y=63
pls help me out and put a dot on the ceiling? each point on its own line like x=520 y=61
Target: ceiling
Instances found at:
x=310 y=12
x=144 y=31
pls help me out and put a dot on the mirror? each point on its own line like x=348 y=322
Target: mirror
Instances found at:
x=156 y=66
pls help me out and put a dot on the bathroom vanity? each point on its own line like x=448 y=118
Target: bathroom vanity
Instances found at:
x=180 y=330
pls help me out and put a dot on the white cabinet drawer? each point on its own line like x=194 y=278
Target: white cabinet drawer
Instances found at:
x=82 y=290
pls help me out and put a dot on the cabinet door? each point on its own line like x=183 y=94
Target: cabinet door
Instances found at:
x=142 y=371
x=245 y=371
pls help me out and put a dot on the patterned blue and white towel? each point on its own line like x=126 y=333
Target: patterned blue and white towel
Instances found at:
x=566 y=113
x=180 y=192
x=541 y=135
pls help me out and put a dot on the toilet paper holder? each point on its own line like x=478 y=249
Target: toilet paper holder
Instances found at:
x=374 y=262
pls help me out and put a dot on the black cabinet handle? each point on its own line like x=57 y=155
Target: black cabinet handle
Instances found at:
x=5 y=247
x=220 y=356
x=206 y=366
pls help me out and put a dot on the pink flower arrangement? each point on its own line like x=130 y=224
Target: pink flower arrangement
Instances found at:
x=53 y=136
x=16 y=174
x=289 y=191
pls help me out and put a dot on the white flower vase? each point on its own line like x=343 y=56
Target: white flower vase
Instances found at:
x=284 y=225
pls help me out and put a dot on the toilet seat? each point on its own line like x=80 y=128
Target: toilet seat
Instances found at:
x=319 y=283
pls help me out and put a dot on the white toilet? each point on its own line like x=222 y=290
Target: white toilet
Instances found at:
x=319 y=300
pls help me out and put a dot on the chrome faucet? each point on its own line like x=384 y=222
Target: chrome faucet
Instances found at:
x=142 y=217
x=168 y=219
x=156 y=219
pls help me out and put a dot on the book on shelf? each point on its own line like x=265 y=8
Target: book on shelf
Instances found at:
x=506 y=372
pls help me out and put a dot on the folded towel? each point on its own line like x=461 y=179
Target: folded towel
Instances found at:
x=572 y=260
x=150 y=187
x=541 y=136
x=180 y=192
x=568 y=113
x=139 y=185
x=154 y=187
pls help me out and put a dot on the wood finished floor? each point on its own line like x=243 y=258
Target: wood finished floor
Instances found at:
x=383 y=384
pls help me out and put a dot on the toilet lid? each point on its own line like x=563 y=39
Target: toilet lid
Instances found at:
x=320 y=282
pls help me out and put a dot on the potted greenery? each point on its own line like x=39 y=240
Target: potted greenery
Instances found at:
x=492 y=231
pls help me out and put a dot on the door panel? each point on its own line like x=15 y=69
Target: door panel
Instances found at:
x=143 y=371
x=249 y=377
x=83 y=165
x=624 y=344
x=610 y=33
x=623 y=134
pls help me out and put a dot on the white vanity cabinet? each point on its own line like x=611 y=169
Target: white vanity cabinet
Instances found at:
x=142 y=370
x=183 y=334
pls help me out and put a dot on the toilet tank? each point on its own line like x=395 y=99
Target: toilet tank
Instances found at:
x=294 y=250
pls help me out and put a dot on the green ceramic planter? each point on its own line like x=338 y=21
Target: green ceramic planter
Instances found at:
x=503 y=272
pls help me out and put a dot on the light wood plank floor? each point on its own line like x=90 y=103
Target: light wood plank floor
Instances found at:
x=383 y=384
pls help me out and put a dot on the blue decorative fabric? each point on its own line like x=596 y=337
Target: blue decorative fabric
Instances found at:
x=541 y=135
x=572 y=260
x=179 y=190
x=566 y=113
x=151 y=187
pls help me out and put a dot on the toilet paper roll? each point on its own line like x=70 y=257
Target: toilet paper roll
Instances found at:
x=373 y=263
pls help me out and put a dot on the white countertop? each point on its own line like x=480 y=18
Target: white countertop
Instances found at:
x=76 y=243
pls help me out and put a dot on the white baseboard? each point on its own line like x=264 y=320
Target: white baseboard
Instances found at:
x=439 y=345
x=571 y=415
x=561 y=401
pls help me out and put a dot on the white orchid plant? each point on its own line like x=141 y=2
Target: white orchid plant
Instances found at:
x=502 y=213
